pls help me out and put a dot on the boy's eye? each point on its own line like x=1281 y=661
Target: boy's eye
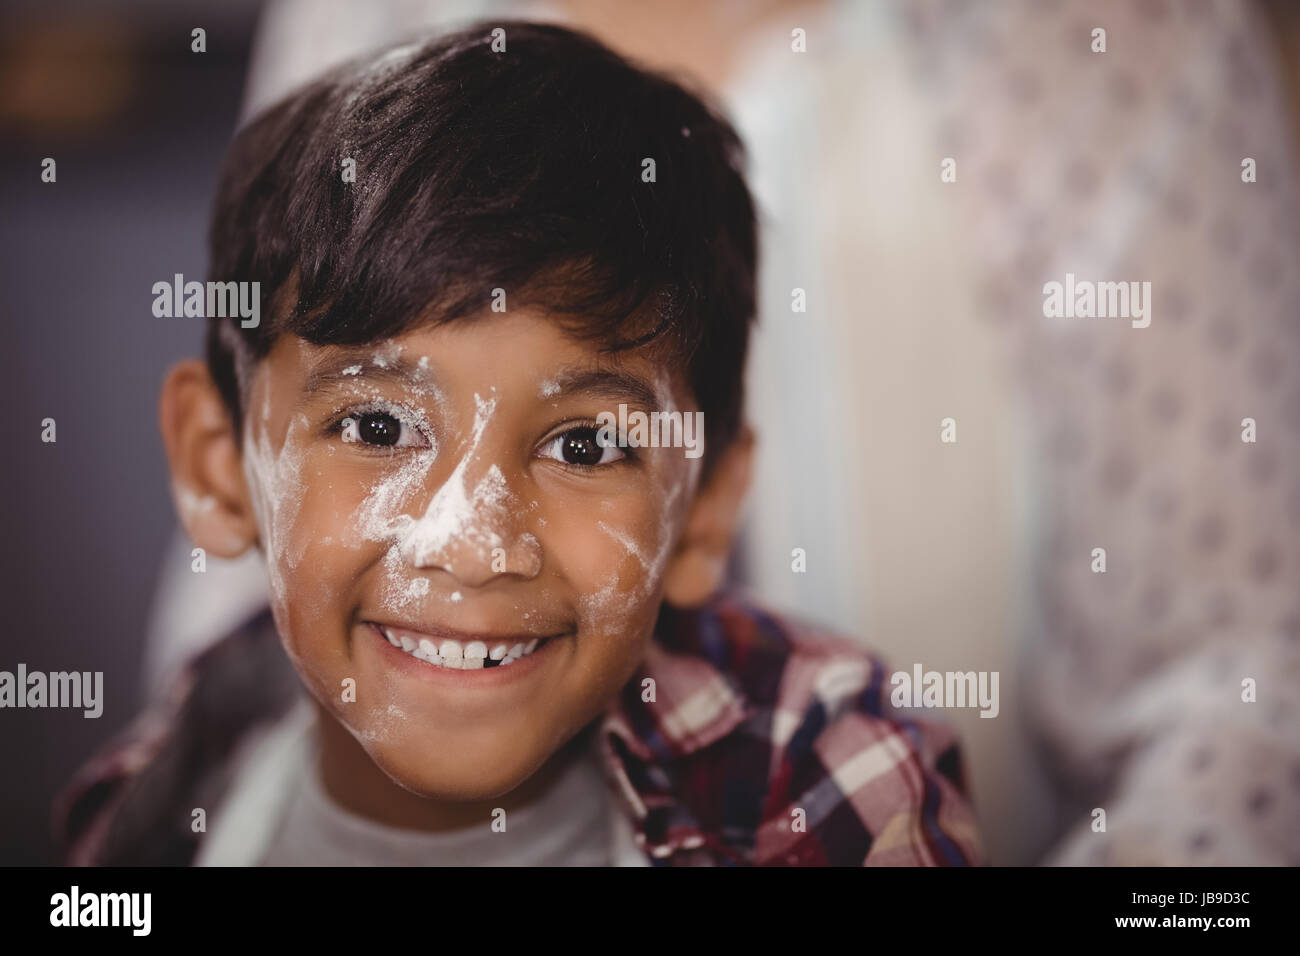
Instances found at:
x=579 y=446
x=381 y=429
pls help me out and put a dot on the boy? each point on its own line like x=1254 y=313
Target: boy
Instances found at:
x=477 y=252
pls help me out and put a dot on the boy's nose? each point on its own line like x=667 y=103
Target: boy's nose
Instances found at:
x=474 y=529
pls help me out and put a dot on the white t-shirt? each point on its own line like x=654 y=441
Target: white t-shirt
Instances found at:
x=278 y=814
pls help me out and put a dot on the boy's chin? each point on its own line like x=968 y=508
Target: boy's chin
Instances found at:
x=435 y=774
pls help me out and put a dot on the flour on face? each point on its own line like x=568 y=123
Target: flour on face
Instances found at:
x=605 y=609
x=192 y=504
x=457 y=513
x=276 y=484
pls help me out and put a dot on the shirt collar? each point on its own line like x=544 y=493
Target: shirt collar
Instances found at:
x=694 y=704
x=689 y=705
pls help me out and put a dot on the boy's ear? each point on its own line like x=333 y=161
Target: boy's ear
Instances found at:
x=203 y=453
x=699 y=564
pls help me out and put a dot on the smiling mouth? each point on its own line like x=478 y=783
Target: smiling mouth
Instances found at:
x=461 y=654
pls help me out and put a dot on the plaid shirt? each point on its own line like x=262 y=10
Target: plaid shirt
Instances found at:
x=765 y=744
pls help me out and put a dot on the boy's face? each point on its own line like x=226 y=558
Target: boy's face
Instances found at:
x=446 y=486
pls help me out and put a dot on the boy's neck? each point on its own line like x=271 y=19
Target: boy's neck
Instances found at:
x=354 y=782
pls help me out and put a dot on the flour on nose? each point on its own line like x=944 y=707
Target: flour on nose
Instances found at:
x=388 y=496
x=454 y=513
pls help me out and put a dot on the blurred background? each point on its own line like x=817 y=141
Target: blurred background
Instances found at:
x=924 y=302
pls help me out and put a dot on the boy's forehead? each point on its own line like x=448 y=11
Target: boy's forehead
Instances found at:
x=519 y=353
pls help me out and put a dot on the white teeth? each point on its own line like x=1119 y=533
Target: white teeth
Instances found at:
x=449 y=653
x=452 y=655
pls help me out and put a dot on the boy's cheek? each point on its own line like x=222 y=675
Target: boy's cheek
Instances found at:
x=318 y=546
x=321 y=565
x=609 y=561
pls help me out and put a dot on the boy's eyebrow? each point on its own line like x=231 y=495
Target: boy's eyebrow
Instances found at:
x=357 y=366
x=610 y=383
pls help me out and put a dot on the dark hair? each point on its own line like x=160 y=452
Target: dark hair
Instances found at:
x=478 y=169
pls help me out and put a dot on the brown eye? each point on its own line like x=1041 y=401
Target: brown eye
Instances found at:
x=581 y=446
x=380 y=429
x=376 y=428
